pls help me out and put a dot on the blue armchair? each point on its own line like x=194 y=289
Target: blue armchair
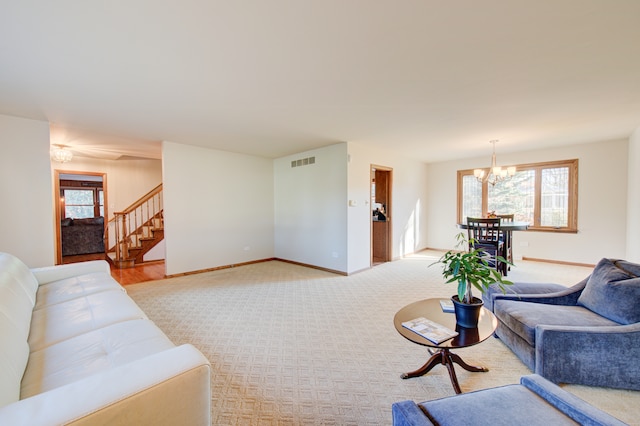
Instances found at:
x=535 y=401
x=587 y=334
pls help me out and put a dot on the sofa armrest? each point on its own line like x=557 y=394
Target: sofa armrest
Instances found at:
x=167 y=388
x=407 y=413
x=569 y=404
x=48 y=274
x=567 y=297
x=596 y=356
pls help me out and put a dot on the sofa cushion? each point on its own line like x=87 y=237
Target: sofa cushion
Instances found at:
x=74 y=287
x=613 y=291
x=62 y=321
x=15 y=305
x=514 y=405
x=14 y=353
x=88 y=221
x=15 y=273
x=629 y=267
x=18 y=289
x=523 y=317
x=519 y=288
x=91 y=353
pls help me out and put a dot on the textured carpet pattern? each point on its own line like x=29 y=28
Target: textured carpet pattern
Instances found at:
x=291 y=345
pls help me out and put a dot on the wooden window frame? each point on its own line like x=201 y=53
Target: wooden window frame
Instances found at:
x=572 y=214
x=96 y=197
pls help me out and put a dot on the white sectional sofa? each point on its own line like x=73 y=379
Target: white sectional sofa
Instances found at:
x=75 y=349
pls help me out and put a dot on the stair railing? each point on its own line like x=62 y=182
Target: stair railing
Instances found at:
x=124 y=229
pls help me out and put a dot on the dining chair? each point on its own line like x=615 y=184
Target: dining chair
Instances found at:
x=505 y=236
x=484 y=234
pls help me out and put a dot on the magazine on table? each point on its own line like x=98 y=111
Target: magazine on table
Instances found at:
x=437 y=333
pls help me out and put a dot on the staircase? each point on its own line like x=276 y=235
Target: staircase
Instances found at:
x=136 y=230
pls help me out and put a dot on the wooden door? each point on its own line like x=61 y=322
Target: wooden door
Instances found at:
x=381 y=235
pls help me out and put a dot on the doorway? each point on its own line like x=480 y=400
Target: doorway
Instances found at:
x=381 y=214
x=80 y=211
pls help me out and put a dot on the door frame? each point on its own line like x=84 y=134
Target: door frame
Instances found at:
x=58 y=204
x=389 y=210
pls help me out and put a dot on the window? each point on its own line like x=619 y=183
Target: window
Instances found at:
x=83 y=203
x=543 y=194
x=101 y=201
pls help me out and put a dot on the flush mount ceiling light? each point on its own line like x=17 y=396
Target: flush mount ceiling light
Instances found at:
x=61 y=154
x=495 y=173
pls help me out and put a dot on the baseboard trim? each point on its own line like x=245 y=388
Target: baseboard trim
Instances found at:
x=217 y=268
x=235 y=265
x=435 y=249
x=559 y=262
x=333 y=271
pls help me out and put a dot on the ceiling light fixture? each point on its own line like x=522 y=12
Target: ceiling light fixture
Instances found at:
x=496 y=173
x=61 y=154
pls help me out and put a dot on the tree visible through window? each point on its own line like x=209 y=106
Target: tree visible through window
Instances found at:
x=543 y=194
x=83 y=203
x=554 y=194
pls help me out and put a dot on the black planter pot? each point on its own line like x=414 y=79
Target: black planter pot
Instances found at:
x=467 y=314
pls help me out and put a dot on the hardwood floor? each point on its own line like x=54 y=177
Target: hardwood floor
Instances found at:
x=140 y=273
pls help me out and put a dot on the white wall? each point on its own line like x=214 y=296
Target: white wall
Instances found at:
x=218 y=208
x=633 y=199
x=157 y=252
x=311 y=208
x=409 y=196
x=602 y=203
x=127 y=179
x=26 y=222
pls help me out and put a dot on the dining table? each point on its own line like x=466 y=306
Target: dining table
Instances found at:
x=507 y=228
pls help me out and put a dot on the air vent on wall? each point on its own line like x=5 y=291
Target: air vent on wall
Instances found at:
x=303 y=162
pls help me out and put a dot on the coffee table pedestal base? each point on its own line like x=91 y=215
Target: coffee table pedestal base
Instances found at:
x=445 y=357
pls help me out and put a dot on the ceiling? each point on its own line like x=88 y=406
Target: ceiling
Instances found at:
x=434 y=79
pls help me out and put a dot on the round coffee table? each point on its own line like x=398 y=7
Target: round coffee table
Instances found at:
x=441 y=354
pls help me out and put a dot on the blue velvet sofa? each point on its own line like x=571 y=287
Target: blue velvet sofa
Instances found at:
x=587 y=334
x=535 y=401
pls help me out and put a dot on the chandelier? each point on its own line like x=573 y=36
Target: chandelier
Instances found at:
x=496 y=173
x=61 y=154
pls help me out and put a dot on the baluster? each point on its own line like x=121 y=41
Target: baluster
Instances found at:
x=116 y=230
x=125 y=239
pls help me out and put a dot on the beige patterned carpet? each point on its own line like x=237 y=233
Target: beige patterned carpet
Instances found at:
x=291 y=345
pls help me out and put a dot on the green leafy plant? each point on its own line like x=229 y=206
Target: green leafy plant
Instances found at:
x=471 y=269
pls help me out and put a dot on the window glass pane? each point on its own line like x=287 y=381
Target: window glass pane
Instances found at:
x=516 y=195
x=78 y=203
x=101 y=201
x=471 y=197
x=554 y=192
x=78 y=196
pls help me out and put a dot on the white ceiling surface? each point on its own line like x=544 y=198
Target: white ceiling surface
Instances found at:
x=434 y=79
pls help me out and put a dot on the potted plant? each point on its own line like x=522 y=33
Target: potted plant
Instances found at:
x=470 y=268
